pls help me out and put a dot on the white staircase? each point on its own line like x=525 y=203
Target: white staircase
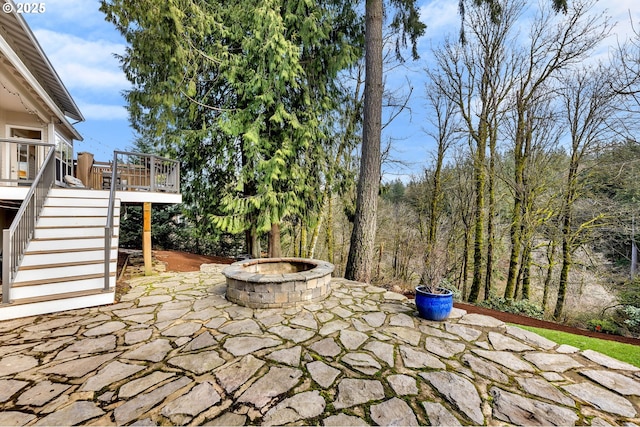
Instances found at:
x=63 y=266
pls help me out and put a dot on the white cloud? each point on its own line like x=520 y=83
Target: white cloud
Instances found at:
x=103 y=111
x=441 y=17
x=84 y=64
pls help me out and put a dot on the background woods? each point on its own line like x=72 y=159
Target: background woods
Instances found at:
x=528 y=201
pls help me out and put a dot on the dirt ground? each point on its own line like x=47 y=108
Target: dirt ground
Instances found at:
x=185 y=262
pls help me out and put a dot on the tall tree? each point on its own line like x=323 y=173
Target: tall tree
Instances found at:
x=552 y=49
x=475 y=80
x=406 y=22
x=589 y=104
x=446 y=123
x=254 y=81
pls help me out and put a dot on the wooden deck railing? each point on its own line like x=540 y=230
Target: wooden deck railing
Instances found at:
x=137 y=172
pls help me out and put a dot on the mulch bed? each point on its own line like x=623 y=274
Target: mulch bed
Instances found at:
x=536 y=323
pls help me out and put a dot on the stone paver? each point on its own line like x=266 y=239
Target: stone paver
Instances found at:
x=305 y=405
x=176 y=352
x=70 y=415
x=439 y=415
x=113 y=372
x=287 y=356
x=41 y=393
x=403 y=385
x=393 y=412
x=602 y=399
x=10 y=365
x=353 y=392
x=520 y=410
x=322 y=373
x=198 y=399
x=198 y=363
x=459 y=391
x=276 y=382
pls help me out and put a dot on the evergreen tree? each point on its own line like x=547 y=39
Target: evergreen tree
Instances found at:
x=239 y=91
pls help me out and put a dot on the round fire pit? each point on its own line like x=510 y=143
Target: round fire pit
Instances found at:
x=277 y=282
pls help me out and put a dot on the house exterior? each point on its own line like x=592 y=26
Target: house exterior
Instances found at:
x=59 y=214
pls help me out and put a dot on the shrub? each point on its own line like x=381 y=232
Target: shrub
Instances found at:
x=633 y=314
x=606 y=326
x=508 y=305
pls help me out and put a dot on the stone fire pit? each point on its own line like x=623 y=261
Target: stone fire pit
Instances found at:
x=277 y=282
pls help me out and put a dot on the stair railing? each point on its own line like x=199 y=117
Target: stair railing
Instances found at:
x=108 y=228
x=16 y=238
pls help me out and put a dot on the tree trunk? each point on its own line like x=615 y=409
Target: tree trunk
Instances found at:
x=478 y=244
x=551 y=252
x=564 y=278
x=490 y=215
x=465 y=264
x=510 y=290
x=316 y=231
x=274 y=250
x=634 y=259
x=380 y=251
x=329 y=237
x=526 y=272
x=566 y=238
x=252 y=242
x=295 y=243
x=516 y=292
x=361 y=250
x=303 y=239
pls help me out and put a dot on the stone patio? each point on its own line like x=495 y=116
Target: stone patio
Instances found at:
x=174 y=351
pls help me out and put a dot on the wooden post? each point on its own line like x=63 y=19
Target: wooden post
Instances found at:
x=146 y=238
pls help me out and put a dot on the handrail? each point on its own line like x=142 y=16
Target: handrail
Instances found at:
x=131 y=153
x=26 y=141
x=108 y=228
x=17 y=237
x=137 y=172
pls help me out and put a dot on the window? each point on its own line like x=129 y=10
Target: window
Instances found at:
x=64 y=158
x=26 y=153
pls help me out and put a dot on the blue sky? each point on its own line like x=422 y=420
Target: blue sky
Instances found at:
x=81 y=46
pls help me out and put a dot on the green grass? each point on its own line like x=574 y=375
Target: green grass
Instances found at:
x=625 y=352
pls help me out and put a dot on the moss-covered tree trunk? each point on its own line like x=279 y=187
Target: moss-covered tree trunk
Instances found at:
x=567 y=248
x=515 y=232
x=526 y=272
x=551 y=254
x=491 y=209
x=479 y=223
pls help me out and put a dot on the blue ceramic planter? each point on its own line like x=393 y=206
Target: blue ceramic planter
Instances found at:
x=434 y=306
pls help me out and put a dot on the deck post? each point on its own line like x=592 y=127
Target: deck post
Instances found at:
x=146 y=238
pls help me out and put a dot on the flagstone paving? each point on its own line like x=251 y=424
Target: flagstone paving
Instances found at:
x=174 y=351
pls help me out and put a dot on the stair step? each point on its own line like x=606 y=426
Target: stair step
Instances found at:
x=79 y=193
x=61 y=302
x=61 y=233
x=60 y=274
x=63 y=267
x=66 y=258
x=71 y=252
x=43 y=245
x=60 y=296
x=62 y=202
x=74 y=221
x=62 y=279
x=77 y=211
x=52 y=289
